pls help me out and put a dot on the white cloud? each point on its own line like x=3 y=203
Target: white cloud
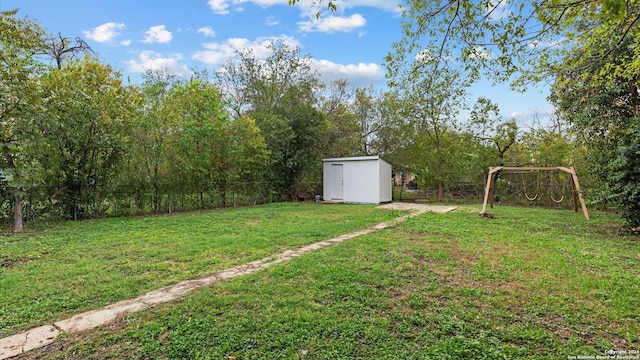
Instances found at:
x=307 y=8
x=499 y=10
x=425 y=56
x=272 y=21
x=531 y=113
x=125 y=42
x=360 y=74
x=157 y=34
x=207 y=31
x=330 y=24
x=150 y=60
x=104 y=33
x=386 y=5
x=217 y=53
x=537 y=44
x=311 y=8
x=480 y=53
x=219 y=6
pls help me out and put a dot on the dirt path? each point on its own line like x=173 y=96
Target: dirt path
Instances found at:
x=45 y=335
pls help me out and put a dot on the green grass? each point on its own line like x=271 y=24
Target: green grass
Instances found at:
x=77 y=266
x=530 y=283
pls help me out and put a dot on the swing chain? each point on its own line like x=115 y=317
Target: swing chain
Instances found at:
x=524 y=186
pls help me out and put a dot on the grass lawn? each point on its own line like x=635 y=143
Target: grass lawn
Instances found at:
x=529 y=283
x=76 y=266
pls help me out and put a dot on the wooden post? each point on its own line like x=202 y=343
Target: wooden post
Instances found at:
x=584 y=207
x=574 y=180
x=574 y=194
x=488 y=191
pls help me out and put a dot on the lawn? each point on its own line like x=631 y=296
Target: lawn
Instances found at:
x=68 y=268
x=529 y=283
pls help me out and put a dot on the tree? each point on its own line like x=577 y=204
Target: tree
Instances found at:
x=20 y=41
x=433 y=102
x=189 y=143
x=61 y=49
x=247 y=156
x=251 y=83
x=598 y=95
x=151 y=152
x=200 y=138
x=368 y=111
x=342 y=125
x=88 y=115
x=396 y=134
x=493 y=137
x=294 y=133
x=624 y=174
x=501 y=39
x=279 y=92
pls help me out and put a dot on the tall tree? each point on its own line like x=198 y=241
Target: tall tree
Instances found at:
x=342 y=125
x=598 y=95
x=433 y=102
x=151 y=152
x=254 y=83
x=495 y=135
x=395 y=137
x=247 y=156
x=20 y=41
x=367 y=107
x=279 y=92
x=294 y=132
x=88 y=116
x=200 y=138
x=61 y=49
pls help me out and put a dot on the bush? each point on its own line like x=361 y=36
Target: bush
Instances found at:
x=624 y=177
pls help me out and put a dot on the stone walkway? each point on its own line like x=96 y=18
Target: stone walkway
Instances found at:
x=45 y=335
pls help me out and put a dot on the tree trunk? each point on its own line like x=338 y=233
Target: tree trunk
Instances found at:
x=440 y=172
x=634 y=99
x=17 y=209
x=17 y=215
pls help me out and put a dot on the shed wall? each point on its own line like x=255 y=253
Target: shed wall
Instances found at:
x=361 y=183
x=365 y=180
x=386 y=182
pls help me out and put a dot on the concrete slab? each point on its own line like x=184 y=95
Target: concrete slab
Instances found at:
x=418 y=207
x=26 y=341
x=95 y=318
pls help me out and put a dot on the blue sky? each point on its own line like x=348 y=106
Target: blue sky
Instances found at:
x=134 y=35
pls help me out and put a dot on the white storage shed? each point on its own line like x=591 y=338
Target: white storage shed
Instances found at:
x=362 y=179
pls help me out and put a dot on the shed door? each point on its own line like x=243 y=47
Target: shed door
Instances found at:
x=336 y=181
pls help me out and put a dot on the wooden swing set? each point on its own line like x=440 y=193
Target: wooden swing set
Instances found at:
x=577 y=194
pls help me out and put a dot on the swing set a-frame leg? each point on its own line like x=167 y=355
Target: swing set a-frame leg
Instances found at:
x=577 y=192
x=488 y=191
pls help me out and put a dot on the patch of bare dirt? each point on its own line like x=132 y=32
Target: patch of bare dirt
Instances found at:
x=8 y=263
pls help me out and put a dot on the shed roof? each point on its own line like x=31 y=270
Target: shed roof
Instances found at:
x=354 y=158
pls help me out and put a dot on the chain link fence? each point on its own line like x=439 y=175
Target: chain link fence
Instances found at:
x=53 y=203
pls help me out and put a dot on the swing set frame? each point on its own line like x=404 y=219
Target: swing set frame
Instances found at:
x=577 y=193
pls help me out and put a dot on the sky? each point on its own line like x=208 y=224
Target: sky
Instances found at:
x=135 y=35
